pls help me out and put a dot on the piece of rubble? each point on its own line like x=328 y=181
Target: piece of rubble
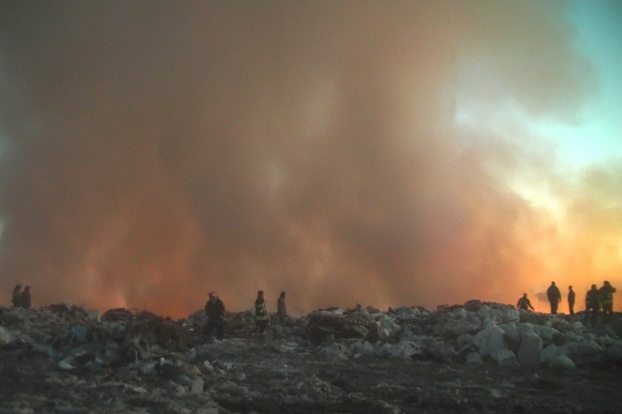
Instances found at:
x=144 y=361
x=561 y=363
x=490 y=340
x=530 y=351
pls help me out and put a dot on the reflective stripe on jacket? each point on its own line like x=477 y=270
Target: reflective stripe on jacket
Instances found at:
x=261 y=313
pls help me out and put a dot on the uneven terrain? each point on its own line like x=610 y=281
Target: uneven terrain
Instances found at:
x=65 y=359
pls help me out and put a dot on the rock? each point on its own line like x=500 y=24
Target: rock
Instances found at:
x=572 y=337
x=78 y=334
x=550 y=352
x=498 y=313
x=615 y=351
x=463 y=326
x=176 y=373
x=6 y=337
x=361 y=348
x=66 y=364
x=489 y=340
x=474 y=358
x=561 y=363
x=588 y=347
x=546 y=333
x=323 y=325
x=147 y=367
x=335 y=350
x=437 y=350
x=525 y=329
x=403 y=350
x=464 y=341
x=387 y=325
x=511 y=332
x=375 y=333
x=530 y=351
x=504 y=357
x=71 y=356
x=197 y=386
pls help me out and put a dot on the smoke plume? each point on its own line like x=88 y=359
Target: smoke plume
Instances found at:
x=151 y=152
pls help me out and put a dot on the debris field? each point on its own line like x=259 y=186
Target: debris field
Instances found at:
x=473 y=358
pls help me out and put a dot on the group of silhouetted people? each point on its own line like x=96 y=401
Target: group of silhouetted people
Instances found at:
x=215 y=312
x=21 y=298
x=595 y=300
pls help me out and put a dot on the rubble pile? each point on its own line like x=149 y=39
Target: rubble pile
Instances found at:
x=476 y=357
x=474 y=333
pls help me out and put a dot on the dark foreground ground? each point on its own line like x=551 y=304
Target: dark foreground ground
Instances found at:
x=265 y=376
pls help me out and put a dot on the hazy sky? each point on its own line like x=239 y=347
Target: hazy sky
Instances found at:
x=380 y=153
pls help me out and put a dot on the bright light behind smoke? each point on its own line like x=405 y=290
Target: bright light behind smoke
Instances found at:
x=411 y=153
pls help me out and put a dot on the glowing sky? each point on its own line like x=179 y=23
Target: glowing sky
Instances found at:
x=381 y=153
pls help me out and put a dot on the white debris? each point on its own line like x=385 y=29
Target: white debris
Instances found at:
x=197 y=386
x=490 y=340
x=562 y=363
x=6 y=337
x=504 y=357
x=361 y=347
x=474 y=358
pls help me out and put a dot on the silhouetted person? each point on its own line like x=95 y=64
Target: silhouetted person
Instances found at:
x=524 y=303
x=606 y=298
x=17 y=296
x=571 y=299
x=554 y=296
x=592 y=302
x=281 y=307
x=26 y=298
x=215 y=311
x=261 y=313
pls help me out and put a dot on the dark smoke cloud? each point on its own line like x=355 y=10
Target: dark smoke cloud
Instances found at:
x=153 y=151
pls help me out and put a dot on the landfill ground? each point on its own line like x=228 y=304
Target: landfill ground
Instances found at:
x=281 y=372
x=387 y=385
x=277 y=382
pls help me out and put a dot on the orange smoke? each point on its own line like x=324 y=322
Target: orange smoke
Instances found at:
x=153 y=152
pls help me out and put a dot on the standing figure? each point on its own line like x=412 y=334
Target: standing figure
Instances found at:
x=554 y=296
x=606 y=298
x=281 y=307
x=571 y=299
x=524 y=303
x=261 y=313
x=215 y=311
x=592 y=302
x=26 y=298
x=17 y=296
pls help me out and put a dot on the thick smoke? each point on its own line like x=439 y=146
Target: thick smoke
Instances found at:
x=154 y=151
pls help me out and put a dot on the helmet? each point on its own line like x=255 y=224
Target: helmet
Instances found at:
x=212 y=294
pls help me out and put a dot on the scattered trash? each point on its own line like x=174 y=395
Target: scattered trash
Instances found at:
x=126 y=352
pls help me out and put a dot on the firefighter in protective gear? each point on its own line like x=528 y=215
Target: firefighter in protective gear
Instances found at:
x=27 y=298
x=261 y=313
x=281 y=307
x=606 y=298
x=592 y=302
x=554 y=296
x=571 y=300
x=17 y=296
x=215 y=312
x=524 y=303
